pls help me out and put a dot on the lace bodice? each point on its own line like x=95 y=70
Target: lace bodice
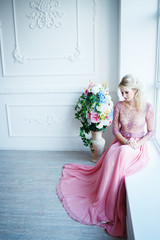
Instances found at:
x=132 y=123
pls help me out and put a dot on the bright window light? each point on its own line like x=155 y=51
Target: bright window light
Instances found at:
x=157 y=116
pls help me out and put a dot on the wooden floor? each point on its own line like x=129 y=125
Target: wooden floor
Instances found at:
x=29 y=206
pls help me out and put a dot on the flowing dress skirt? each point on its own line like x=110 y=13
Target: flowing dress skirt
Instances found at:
x=95 y=195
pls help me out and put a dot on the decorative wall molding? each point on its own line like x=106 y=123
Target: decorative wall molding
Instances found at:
x=1 y=50
x=46 y=123
x=38 y=5
x=18 y=57
x=45 y=90
x=46 y=120
x=74 y=56
x=40 y=89
x=45 y=14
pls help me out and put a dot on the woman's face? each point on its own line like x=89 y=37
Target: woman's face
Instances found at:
x=128 y=93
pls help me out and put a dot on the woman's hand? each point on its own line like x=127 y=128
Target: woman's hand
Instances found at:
x=133 y=143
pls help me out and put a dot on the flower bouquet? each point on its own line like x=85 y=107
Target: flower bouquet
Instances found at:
x=94 y=109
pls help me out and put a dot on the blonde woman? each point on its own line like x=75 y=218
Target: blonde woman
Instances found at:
x=132 y=111
x=95 y=195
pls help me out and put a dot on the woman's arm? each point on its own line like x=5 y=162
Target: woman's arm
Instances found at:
x=150 y=128
x=122 y=139
x=116 y=123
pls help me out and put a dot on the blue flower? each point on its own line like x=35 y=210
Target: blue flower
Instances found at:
x=102 y=98
x=111 y=114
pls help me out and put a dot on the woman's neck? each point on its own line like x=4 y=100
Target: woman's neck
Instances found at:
x=130 y=104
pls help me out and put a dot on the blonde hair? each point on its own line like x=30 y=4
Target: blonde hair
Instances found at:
x=130 y=81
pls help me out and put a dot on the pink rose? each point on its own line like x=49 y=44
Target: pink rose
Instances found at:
x=95 y=117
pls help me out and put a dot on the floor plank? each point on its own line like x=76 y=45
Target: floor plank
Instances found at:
x=29 y=206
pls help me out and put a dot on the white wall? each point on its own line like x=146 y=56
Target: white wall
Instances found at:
x=45 y=65
x=138 y=35
x=44 y=70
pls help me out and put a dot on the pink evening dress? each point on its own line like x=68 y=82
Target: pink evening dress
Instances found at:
x=95 y=195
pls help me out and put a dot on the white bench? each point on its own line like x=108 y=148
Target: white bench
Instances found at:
x=143 y=200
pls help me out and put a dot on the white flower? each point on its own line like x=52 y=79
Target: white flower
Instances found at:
x=104 y=107
x=101 y=108
x=108 y=97
x=107 y=122
x=96 y=88
x=103 y=123
x=110 y=104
